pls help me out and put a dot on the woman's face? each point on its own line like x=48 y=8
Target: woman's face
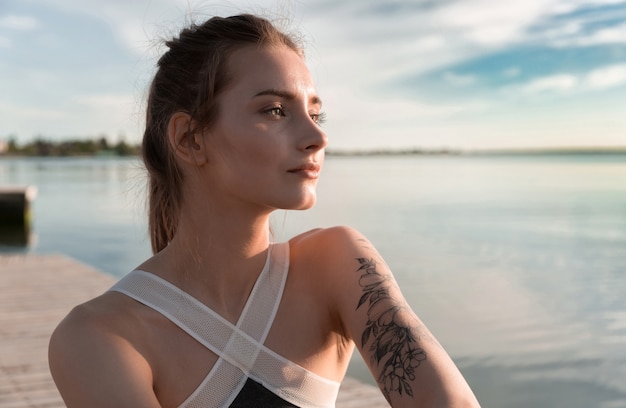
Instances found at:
x=266 y=148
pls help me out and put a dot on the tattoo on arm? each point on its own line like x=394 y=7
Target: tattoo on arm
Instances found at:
x=394 y=345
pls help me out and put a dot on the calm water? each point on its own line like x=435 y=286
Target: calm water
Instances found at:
x=517 y=264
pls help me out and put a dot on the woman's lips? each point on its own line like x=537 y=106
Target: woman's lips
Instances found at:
x=307 y=170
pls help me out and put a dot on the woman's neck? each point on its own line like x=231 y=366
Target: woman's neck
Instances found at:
x=215 y=258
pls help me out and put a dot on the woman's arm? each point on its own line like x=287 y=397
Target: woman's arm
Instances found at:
x=412 y=369
x=93 y=366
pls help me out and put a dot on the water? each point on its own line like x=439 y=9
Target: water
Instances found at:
x=517 y=264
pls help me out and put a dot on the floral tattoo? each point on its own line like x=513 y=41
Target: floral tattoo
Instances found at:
x=394 y=345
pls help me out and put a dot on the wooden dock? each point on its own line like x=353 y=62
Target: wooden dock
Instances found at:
x=36 y=291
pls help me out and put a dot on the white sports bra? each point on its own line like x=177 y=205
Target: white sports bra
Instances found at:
x=240 y=347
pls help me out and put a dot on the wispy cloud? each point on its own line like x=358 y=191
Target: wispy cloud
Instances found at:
x=552 y=83
x=12 y=112
x=606 y=77
x=569 y=6
x=106 y=101
x=139 y=26
x=420 y=38
x=511 y=72
x=601 y=78
x=115 y=112
x=15 y=22
x=489 y=23
x=570 y=37
x=458 y=79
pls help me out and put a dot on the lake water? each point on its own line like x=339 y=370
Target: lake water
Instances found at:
x=517 y=264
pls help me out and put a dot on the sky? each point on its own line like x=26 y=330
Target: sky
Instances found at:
x=394 y=74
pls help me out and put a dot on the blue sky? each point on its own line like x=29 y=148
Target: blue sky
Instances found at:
x=466 y=74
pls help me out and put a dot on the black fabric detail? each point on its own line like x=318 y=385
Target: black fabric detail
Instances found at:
x=254 y=395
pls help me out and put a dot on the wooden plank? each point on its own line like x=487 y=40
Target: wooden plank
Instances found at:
x=36 y=292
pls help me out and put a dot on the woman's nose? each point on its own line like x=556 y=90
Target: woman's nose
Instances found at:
x=313 y=137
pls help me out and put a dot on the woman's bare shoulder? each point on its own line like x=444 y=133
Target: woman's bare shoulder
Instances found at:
x=332 y=248
x=97 y=321
x=328 y=257
x=107 y=311
x=331 y=239
x=100 y=333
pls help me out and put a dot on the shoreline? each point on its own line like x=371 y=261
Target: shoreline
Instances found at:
x=487 y=152
x=557 y=151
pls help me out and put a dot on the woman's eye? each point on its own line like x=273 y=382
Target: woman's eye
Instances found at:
x=276 y=112
x=319 y=118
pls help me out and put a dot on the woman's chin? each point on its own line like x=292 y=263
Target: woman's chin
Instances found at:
x=303 y=204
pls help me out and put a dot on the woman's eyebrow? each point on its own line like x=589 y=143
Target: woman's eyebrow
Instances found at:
x=314 y=100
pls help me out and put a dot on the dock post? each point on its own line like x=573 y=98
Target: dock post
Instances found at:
x=16 y=214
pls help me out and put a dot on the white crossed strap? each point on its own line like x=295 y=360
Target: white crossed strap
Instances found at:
x=239 y=347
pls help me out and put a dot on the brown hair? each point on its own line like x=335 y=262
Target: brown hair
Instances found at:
x=189 y=78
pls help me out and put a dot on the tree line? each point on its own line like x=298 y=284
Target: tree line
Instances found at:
x=71 y=147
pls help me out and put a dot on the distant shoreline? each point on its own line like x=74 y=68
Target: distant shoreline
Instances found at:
x=565 y=151
x=133 y=151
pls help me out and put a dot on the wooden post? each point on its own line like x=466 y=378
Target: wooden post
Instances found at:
x=15 y=214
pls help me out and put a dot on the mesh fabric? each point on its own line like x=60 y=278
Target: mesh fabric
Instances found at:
x=239 y=347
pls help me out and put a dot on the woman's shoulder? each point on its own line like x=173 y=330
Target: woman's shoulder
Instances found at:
x=100 y=322
x=95 y=348
x=331 y=237
x=101 y=319
x=330 y=250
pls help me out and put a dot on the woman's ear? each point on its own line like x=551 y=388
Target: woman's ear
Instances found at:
x=186 y=144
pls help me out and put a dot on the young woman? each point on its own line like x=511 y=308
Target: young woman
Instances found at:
x=221 y=316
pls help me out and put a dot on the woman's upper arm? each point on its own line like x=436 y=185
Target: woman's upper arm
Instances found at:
x=409 y=365
x=94 y=367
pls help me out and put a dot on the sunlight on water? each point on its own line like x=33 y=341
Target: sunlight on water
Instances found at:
x=518 y=265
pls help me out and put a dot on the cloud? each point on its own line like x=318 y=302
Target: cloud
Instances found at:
x=511 y=72
x=393 y=121
x=139 y=26
x=606 y=77
x=568 y=28
x=106 y=101
x=29 y=119
x=601 y=78
x=13 y=112
x=605 y=35
x=110 y=109
x=369 y=54
x=583 y=23
x=425 y=37
x=489 y=23
x=4 y=42
x=569 y=6
x=552 y=83
x=457 y=79
x=15 y=22
x=82 y=115
x=608 y=35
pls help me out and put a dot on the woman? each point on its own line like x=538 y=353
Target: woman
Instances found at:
x=221 y=316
